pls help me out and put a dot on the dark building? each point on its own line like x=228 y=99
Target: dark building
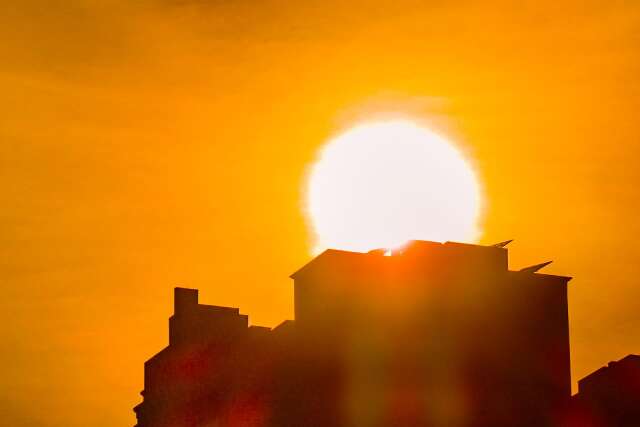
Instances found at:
x=609 y=396
x=216 y=371
x=434 y=335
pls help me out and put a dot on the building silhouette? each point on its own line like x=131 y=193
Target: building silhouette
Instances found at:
x=609 y=396
x=434 y=335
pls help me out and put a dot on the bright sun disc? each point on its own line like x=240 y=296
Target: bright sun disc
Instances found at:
x=380 y=184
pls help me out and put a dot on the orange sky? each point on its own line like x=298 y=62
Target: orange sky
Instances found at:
x=160 y=142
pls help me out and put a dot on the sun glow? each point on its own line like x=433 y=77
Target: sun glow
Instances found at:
x=380 y=184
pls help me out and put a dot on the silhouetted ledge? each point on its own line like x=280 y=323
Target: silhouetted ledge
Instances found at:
x=437 y=334
x=492 y=255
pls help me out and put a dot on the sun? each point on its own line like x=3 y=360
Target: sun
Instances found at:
x=381 y=184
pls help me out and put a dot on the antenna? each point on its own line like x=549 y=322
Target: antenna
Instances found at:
x=535 y=268
x=502 y=244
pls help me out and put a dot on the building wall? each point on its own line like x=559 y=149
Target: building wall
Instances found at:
x=467 y=341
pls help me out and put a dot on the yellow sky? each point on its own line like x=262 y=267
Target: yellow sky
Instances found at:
x=161 y=142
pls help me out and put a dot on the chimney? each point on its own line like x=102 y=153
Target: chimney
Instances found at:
x=184 y=300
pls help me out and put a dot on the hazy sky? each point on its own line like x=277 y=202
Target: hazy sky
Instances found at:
x=150 y=143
